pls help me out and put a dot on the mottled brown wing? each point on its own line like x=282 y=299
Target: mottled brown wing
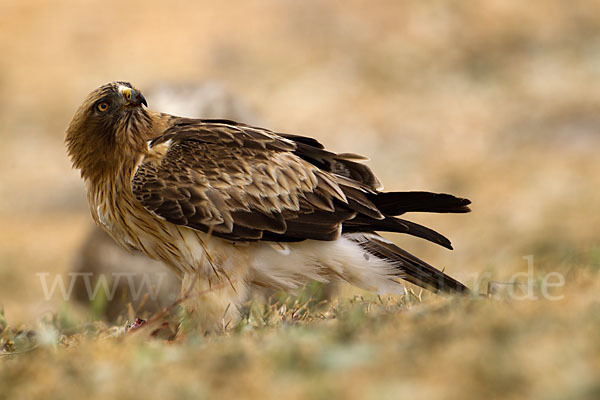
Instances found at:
x=355 y=179
x=346 y=165
x=342 y=165
x=242 y=183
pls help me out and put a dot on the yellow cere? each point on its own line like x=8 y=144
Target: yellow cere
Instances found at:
x=125 y=91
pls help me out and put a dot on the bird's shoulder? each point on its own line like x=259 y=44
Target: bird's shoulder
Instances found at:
x=190 y=132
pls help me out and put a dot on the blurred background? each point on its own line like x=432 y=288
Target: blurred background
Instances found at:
x=495 y=100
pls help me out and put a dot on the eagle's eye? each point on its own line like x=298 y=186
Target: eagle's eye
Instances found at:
x=102 y=106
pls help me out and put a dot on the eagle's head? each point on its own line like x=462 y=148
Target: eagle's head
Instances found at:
x=110 y=122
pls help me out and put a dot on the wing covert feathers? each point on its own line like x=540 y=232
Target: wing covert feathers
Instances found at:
x=246 y=183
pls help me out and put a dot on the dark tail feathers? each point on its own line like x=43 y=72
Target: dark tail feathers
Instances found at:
x=410 y=268
x=362 y=223
x=397 y=203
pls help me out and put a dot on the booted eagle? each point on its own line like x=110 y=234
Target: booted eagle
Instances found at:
x=231 y=205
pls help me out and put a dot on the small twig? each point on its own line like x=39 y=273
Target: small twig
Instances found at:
x=144 y=301
x=16 y=353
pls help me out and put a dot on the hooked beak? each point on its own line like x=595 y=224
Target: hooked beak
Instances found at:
x=132 y=97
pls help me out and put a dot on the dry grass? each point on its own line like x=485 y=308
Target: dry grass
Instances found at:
x=495 y=100
x=358 y=348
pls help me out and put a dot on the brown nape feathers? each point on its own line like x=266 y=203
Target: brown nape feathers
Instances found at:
x=237 y=205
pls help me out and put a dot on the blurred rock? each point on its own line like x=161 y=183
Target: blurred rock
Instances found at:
x=130 y=278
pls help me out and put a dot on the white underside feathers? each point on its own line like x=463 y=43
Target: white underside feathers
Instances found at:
x=290 y=265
